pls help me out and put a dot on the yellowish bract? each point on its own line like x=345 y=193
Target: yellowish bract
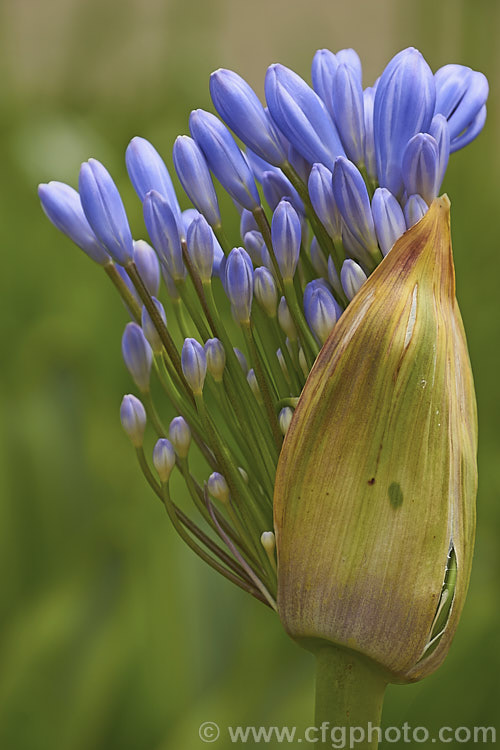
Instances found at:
x=377 y=475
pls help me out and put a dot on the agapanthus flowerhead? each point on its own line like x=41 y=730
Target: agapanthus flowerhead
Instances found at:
x=383 y=499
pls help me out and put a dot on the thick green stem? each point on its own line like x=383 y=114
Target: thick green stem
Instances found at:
x=349 y=696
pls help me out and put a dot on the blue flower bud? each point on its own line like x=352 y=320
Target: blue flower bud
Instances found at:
x=241 y=359
x=265 y=290
x=286 y=321
x=163 y=231
x=404 y=105
x=218 y=488
x=187 y=216
x=61 y=204
x=104 y=210
x=195 y=178
x=351 y=197
x=415 y=208
x=224 y=158
x=333 y=277
x=147 y=264
x=164 y=459
x=137 y=355
x=216 y=358
x=388 y=218
x=321 y=310
x=321 y=195
x=247 y=223
x=347 y=98
x=441 y=133
x=276 y=186
x=301 y=116
x=420 y=166
x=370 y=159
x=194 y=364
x=352 y=278
x=318 y=260
x=472 y=131
x=254 y=242
x=461 y=94
x=239 y=283
x=240 y=108
x=200 y=242
x=148 y=327
x=147 y=171
x=254 y=386
x=284 y=419
x=351 y=58
x=133 y=419
x=323 y=69
x=286 y=234
x=180 y=436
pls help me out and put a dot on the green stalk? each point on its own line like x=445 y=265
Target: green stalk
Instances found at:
x=124 y=291
x=349 y=697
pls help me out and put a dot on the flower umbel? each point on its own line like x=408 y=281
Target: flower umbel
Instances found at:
x=318 y=362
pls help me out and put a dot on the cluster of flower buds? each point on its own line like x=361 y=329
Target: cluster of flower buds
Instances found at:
x=328 y=179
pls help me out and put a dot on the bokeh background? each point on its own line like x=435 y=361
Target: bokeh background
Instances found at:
x=112 y=634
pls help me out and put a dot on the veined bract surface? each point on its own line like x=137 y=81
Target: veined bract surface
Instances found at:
x=374 y=501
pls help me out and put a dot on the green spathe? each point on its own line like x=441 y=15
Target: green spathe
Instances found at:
x=377 y=475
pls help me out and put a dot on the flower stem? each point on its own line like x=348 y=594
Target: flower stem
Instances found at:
x=349 y=695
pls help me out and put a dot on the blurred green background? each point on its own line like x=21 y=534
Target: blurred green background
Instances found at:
x=112 y=634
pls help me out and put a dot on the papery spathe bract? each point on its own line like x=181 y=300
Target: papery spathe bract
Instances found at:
x=363 y=512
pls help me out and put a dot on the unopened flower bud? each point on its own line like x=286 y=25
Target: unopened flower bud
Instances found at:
x=180 y=436
x=352 y=277
x=284 y=418
x=265 y=290
x=218 y=488
x=164 y=459
x=194 y=364
x=137 y=355
x=148 y=266
x=286 y=321
x=133 y=419
x=105 y=211
x=216 y=358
